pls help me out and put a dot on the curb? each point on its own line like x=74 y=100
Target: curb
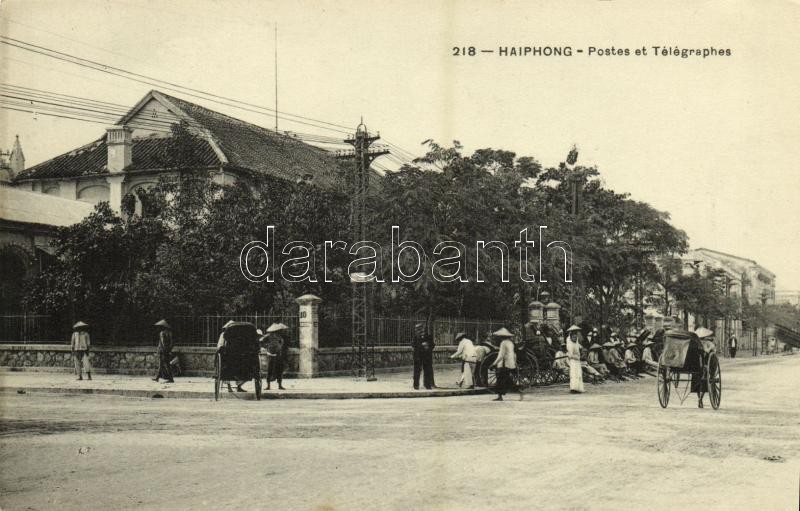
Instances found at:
x=249 y=396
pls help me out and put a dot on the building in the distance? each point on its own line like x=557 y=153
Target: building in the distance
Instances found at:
x=12 y=162
x=746 y=278
x=141 y=148
x=788 y=297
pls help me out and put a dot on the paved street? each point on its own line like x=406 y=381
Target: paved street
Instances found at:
x=610 y=448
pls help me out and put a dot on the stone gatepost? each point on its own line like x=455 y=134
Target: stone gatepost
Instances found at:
x=309 y=335
x=551 y=314
x=536 y=312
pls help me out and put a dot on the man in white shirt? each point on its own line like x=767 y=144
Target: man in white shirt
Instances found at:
x=505 y=363
x=465 y=353
x=80 y=345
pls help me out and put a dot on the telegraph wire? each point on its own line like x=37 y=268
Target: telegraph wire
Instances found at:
x=156 y=82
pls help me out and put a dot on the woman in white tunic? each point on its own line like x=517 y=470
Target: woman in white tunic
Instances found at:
x=574 y=358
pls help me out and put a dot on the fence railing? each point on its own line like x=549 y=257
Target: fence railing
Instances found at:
x=29 y=329
x=336 y=330
x=205 y=330
x=187 y=330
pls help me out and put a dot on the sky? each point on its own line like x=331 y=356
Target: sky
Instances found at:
x=712 y=141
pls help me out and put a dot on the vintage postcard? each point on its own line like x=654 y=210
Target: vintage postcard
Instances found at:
x=337 y=255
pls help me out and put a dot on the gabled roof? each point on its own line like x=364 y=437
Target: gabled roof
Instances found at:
x=27 y=207
x=226 y=142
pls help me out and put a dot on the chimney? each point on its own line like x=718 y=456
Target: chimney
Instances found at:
x=120 y=147
x=16 y=159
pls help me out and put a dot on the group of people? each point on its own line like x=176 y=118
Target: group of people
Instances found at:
x=603 y=359
x=274 y=344
x=583 y=353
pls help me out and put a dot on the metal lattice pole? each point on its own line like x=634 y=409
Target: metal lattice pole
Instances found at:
x=363 y=348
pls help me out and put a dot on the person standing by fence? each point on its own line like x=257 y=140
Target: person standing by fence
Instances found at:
x=81 y=344
x=164 y=352
x=422 y=346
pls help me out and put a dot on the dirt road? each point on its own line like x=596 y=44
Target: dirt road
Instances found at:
x=611 y=448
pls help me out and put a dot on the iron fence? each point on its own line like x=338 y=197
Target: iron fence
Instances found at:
x=30 y=329
x=336 y=329
x=187 y=330
x=205 y=330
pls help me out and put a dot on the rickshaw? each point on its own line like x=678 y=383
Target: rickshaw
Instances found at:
x=687 y=360
x=239 y=358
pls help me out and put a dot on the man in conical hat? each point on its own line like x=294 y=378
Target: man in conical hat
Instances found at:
x=505 y=363
x=277 y=351
x=164 y=352
x=81 y=344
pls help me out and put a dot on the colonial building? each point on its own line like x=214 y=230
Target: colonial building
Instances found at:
x=11 y=162
x=139 y=149
x=746 y=278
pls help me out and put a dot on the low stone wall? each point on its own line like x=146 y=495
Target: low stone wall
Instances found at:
x=195 y=361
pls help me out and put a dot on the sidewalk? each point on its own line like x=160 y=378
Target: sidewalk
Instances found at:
x=394 y=385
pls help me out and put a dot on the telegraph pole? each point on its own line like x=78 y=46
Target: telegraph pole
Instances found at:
x=363 y=348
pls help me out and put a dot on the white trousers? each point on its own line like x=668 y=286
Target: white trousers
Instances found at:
x=575 y=375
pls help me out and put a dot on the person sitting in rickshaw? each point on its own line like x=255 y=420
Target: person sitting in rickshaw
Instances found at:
x=699 y=384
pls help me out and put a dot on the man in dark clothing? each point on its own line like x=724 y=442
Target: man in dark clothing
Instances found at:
x=422 y=345
x=733 y=344
x=164 y=352
x=277 y=350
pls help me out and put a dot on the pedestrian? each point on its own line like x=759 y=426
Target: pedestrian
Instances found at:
x=422 y=345
x=465 y=353
x=733 y=344
x=505 y=364
x=480 y=355
x=81 y=344
x=164 y=352
x=222 y=343
x=574 y=359
x=277 y=352
x=699 y=384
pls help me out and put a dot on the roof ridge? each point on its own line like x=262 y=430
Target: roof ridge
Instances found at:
x=211 y=112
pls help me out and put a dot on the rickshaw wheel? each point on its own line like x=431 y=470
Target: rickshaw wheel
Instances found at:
x=257 y=382
x=662 y=384
x=217 y=375
x=714 y=380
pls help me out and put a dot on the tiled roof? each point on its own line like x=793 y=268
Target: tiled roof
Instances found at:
x=253 y=147
x=147 y=153
x=244 y=146
x=23 y=206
